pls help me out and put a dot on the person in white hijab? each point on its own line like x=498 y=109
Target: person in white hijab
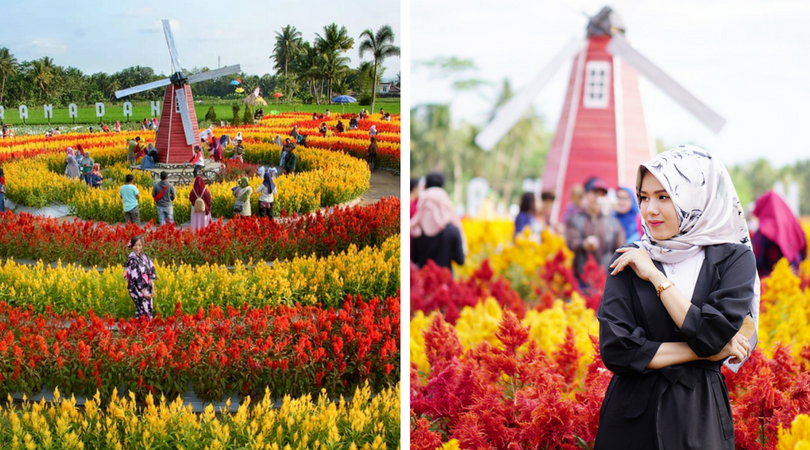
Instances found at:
x=677 y=305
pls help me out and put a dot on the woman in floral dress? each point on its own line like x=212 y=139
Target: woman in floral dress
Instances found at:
x=140 y=274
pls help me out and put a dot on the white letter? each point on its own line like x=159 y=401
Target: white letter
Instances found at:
x=23 y=112
x=2 y=113
x=49 y=111
x=155 y=109
x=99 y=109
x=127 y=109
x=73 y=111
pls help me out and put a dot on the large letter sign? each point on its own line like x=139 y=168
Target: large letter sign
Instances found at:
x=2 y=113
x=23 y=112
x=155 y=108
x=99 y=109
x=49 y=111
x=127 y=109
x=73 y=111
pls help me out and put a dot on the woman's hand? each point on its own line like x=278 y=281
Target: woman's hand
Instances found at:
x=638 y=259
x=738 y=348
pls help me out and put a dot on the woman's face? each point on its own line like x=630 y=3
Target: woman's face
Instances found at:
x=625 y=203
x=657 y=209
x=138 y=247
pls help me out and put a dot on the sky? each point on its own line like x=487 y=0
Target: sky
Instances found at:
x=108 y=36
x=748 y=60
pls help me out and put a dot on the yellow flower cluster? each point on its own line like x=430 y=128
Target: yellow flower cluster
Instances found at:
x=785 y=315
x=547 y=328
x=797 y=437
x=368 y=422
x=307 y=280
x=36 y=143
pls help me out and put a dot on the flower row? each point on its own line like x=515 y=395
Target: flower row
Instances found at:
x=292 y=350
x=367 y=422
x=307 y=280
x=91 y=244
x=326 y=179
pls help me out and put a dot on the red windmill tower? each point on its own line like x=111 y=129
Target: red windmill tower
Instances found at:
x=178 y=131
x=601 y=131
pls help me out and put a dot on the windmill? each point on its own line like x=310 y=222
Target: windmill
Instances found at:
x=601 y=130
x=178 y=131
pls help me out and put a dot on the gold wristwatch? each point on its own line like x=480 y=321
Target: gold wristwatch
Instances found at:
x=666 y=284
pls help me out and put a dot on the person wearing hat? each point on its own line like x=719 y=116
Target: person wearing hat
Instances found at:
x=592 y=233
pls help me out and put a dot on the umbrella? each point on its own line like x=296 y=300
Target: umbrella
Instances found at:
x=343 y=99
x=278 y=94
x=235 y=82
x=240 y=90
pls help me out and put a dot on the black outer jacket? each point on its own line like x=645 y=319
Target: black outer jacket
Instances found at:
x=684 y=406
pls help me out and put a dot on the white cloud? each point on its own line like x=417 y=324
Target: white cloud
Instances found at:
x=49 y=46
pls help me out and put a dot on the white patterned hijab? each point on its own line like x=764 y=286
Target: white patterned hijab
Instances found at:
x=709 y=210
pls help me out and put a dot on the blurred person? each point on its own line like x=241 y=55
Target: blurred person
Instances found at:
x=527 y=217
x=778 y=236
x=164 y=193
x=627 y=213
x=241 y=206
x=71 y=166
x=2 y=191
x=593 y=233
x=574 y=206
x=140 y=274
x=200 y=200
x=94 y=178
x=86 y=166
x=548 y=197
x=416 y=189
x=198 y=160
x=266 y=191
x=436 y=232
x=130 y=197
x=371 y=154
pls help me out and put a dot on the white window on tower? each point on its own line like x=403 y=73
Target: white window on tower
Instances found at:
x=597 y=85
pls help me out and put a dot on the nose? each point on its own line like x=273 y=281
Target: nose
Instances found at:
x=652 y=207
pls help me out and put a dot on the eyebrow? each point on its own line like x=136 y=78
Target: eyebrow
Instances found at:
x=656 y=192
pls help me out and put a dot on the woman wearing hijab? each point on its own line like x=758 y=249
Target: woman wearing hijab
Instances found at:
x=673 y=309
x=372 y=131
x=200 y=212
x=436 y=232
x=779 y=234
x=95 y=178
x=627 y=213
x=71 y=165
x=528 y=214
x=266 y=191
x=140 y=274
x=241 y=206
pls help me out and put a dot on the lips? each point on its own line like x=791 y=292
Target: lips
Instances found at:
x=656 y=223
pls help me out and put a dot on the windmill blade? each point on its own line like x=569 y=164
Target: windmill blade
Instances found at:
x=510 y=113
x=142 y=87
x=619 y=47
x=229 y=70
x=167 y=30
x=180 y=97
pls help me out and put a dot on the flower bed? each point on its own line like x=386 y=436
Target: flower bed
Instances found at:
x=292 y=350
x=329 y=179
x=367 y=421
x=307 y=280
x=90 y=243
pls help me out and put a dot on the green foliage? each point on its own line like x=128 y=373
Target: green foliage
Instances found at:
x=247 y=118
x=211 y=115
x=236 y=121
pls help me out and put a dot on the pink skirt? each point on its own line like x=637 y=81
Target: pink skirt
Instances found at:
x=199 y=220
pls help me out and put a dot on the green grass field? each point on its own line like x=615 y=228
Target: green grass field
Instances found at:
x=115 y=111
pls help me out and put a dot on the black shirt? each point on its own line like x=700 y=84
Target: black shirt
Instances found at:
x=442 y=248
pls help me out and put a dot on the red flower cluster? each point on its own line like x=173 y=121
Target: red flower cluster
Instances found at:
x=291 y=350
x=433 y=288
x=96 y=243
x=502 y=398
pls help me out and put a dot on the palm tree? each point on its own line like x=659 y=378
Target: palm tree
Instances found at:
x=381 y=46
x=42 y=73
x=288 y=46
x=334 y=39
x=8 y=68
x=335 y=68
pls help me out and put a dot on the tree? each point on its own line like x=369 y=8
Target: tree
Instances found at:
x=381 y=46
x=236 y=121
x=42 y=74
x=247 y=118
x=287 y=48
x=334 y=39
x=8 y=68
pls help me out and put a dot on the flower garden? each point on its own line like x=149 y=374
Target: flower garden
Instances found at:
x=506 y=355
x=290 y=326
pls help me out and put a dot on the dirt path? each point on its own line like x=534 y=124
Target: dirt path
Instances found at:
x=383 y=184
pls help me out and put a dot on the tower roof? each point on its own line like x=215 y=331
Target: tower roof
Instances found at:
x=605 y=23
